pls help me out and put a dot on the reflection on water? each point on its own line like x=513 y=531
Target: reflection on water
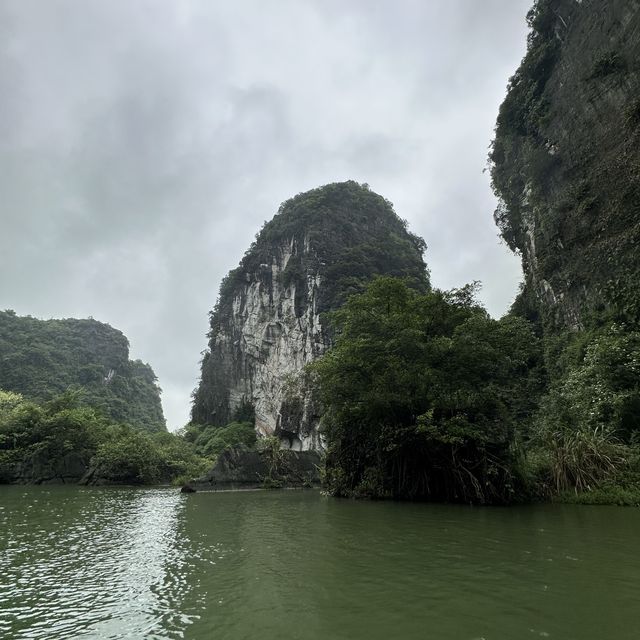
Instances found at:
x=90 y=563
x=126 y=563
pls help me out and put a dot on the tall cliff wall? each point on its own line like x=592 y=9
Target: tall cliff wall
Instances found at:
x=566 y=163
x=270 y=318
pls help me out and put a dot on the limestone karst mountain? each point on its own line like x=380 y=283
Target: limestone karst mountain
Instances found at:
x=270 y=319
x=566 y=163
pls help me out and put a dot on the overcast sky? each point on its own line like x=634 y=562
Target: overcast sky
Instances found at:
x=144 y=142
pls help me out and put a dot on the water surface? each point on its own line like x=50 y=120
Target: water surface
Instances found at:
x=153 y=563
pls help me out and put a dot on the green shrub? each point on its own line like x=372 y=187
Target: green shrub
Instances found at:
x=117 y=453
x=234 y=434
x=591 y=416
x=128 y=456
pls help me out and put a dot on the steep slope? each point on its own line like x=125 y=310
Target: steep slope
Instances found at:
x=566 y=166
x=566 y=163
x=42 y=358
x=269 y=321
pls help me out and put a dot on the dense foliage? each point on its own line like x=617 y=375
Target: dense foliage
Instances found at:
x=42 y=359
x=211 y=441
x=427 y=397
x=422 y=396
x=587 y=429
x=64 y=440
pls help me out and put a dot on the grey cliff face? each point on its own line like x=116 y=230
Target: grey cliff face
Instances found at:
x=566 y=160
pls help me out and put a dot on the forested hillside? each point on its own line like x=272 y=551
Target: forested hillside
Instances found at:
x=74 y=408
x=43 y=358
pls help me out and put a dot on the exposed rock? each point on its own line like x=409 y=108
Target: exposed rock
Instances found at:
x=39 y=468
x=270 y=318
x=243 y=468
x=567 y=162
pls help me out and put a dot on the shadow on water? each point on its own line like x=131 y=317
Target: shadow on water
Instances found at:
x=125 y=563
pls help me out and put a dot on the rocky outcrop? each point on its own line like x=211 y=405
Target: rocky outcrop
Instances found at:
x=566 y=162
x=241 y=468
x=273 y=331
x=41 y=468
x=71 y=468
x=270 y=319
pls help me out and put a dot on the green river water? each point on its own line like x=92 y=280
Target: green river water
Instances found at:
x=154 y=563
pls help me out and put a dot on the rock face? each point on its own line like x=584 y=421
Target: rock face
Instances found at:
x=277 y=339
x=40 y=468
x=566 y=162
x=241 y=468
x=270 y=318
x=70 y=468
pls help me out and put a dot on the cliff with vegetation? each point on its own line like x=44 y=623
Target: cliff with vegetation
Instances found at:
x=566 y=168
x=566 y=163
x=270 y=317
x=41 y=359
x=424 y=396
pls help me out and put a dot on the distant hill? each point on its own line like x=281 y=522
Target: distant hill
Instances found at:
x=43 y=358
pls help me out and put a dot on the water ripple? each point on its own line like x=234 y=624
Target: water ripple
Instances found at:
x=152 y=563
x=92 y=564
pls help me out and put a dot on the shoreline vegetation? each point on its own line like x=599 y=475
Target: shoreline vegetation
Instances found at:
x=65 y=441
x=426 y=397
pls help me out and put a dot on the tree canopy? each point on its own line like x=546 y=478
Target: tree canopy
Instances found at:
x=64 y=441
x=422 y=393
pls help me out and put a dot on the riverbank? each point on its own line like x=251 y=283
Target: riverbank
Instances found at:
x=247 y=471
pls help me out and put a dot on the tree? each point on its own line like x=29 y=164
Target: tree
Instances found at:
x=421 y=392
